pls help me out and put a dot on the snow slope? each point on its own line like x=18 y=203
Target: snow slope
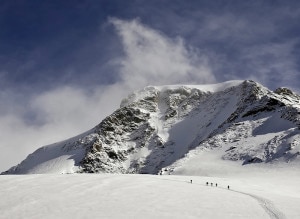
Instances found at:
x=159 y=129
x=264 y=194
x=62 y=157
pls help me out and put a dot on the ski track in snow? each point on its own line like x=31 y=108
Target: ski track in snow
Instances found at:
x=267 y=205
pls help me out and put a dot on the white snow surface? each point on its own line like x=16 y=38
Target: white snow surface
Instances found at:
x=254 y=193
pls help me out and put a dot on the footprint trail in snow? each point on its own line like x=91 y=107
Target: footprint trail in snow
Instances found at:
x=267 y=205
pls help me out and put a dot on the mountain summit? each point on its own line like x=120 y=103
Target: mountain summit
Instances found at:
x=157 y=129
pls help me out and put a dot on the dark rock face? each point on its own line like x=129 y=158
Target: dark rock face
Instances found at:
x=126 y=124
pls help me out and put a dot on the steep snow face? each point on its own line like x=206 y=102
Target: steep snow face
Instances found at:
x=159 y=129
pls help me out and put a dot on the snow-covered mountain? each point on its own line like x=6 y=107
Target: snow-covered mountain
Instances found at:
x=159 y=129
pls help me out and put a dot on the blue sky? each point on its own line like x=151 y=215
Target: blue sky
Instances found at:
x=65 y=65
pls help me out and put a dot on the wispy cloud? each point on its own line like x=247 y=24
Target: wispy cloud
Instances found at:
x=153 y=58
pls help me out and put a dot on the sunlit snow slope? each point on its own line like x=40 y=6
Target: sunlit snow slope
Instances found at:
x=270 y=195
x=164 y=129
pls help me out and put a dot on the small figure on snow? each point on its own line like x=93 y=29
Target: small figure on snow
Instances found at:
x=191 y=181
x=228 y=187
x=207 y=183
x=216 y=184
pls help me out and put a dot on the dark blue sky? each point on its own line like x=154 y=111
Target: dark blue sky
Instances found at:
x=51 y=42
x=66 y=64
x=42 y=40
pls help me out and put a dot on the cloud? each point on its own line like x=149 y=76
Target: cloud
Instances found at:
x=31 y=120
x=49 y=117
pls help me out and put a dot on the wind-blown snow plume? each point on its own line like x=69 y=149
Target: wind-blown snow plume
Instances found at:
x=153 y=58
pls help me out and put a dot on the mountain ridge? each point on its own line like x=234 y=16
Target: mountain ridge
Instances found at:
x=158 y=127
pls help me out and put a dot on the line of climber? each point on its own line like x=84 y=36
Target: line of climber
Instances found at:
x=211 y=184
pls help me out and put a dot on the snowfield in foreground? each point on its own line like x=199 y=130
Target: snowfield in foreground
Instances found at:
x=259 y=194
